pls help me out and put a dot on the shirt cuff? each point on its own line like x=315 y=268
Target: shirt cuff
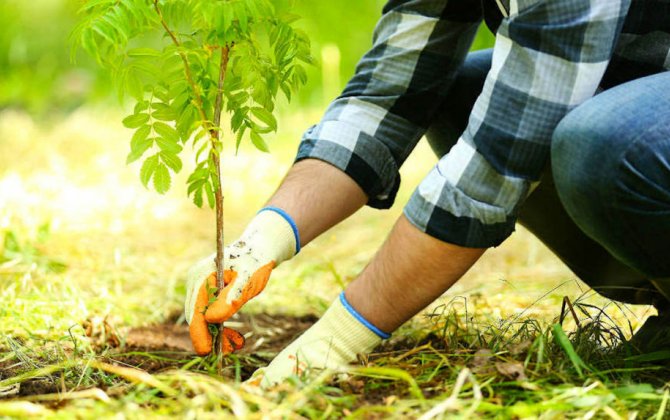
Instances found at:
x=440 y=220
x=361 y=156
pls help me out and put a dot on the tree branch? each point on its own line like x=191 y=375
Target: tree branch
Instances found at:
x=216 y=155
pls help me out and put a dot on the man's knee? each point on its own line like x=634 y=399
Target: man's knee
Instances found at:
x=581 y=152
x=611 y=177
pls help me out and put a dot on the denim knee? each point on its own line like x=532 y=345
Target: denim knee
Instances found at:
x=582 y=156
x=610 y=160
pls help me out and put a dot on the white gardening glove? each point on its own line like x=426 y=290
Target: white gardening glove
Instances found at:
x=269 y=239
x=332 y=343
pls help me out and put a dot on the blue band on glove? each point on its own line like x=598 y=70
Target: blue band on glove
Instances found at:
x=290 y=221
x=362 y=320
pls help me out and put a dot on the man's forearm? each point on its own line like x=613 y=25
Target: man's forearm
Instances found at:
x=318 y=196
x=410 y=271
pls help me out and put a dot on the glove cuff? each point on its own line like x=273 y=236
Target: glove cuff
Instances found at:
x=332 y=343
x=272 y=235
x=345 y=303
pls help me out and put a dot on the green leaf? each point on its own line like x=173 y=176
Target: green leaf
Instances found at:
x=134 y=85
x=200 y=172
x=287 y=90
x=209 y=190
x=239 y=136
x=195 y=185
x=171 y=160
x=140 y=106
x=143 y=52
x=135 y=120
x=265 y=116
x=168 y=146
x=301 y=74
x=204 y=147
x=163 y=112
x=197 y=197
x=148 y=169
x=139 y=144
x=258 y=141
x=227 y=18
x=166 y=132
x=241 y=15
x=237 y=119
x=162 y=179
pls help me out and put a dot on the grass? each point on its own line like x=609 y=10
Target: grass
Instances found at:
x=84 y=241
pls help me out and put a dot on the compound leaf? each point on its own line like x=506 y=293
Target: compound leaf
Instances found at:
x=148 y=169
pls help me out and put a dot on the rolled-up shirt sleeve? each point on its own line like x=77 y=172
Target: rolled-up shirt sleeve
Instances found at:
x=549 y=57
x=371 y=128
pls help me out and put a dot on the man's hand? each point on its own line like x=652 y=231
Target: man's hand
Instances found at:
x=332 y=343
x=270 y=238
x=243 y=279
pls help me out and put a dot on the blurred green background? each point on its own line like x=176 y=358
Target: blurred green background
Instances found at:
x=36 y=73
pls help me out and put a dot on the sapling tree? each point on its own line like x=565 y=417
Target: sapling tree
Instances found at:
x=184 y=63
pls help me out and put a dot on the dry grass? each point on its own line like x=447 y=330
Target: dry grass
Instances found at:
x=486 y=347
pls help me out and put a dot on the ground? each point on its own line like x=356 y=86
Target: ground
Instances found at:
x=91 y=278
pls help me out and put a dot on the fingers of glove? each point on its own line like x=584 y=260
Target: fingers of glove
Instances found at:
x=258 y=281
x=222 y=309
x=231 y=341
x=198 y=329
x=234 y=337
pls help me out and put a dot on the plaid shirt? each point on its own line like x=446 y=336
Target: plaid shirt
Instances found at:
x=549 y=56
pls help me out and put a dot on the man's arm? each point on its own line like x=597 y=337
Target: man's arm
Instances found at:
x=411 y=270
x=409 y=259
x=318 y=196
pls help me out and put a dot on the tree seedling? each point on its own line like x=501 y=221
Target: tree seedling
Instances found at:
x=184 y=63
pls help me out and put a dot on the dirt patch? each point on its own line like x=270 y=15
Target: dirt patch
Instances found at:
x=264 y=333
x=160 y=337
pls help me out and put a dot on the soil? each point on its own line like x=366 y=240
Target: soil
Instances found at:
x=264 y=334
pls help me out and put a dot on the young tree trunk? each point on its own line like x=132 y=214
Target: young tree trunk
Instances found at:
x=217 y=155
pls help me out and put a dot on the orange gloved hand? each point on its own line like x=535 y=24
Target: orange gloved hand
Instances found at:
x=270 y=238
x=201 y=336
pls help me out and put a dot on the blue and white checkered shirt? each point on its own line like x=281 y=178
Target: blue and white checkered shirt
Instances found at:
x=549 y=56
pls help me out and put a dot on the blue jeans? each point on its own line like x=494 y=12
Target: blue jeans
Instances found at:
x=603 y=206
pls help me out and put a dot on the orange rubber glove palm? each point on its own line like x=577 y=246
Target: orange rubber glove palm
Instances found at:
x=270 y=238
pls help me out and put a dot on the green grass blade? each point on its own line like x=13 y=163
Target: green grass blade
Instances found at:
x=664 y=404
x=563 y=341
x=392 y=373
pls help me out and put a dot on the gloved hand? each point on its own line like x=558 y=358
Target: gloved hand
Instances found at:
x=332 y=343
x=231 y=340
x=269 y=239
